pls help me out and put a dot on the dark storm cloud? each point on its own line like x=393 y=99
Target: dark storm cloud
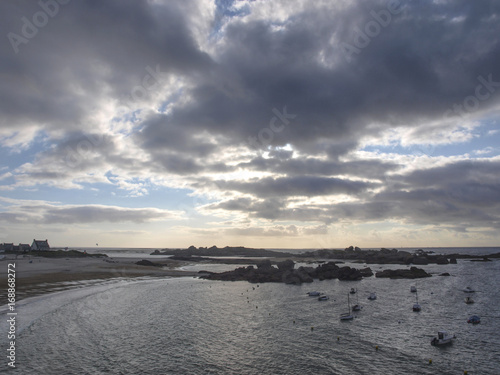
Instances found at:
x=373 y=169
x=89 y=51
x=296 y=186
x=424 y=61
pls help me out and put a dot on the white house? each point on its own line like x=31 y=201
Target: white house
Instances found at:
x=40 y=245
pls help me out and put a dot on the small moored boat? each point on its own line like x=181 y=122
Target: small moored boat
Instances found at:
x=413 y=289
x=372 y=296
x=323 y=298
x=474 y=319
x=416 y=305
x=469 y=290
x=347 y=315
x=357 y=306
x=469 y=300
x=353 y=291
x=313 y=294
x=443 y=338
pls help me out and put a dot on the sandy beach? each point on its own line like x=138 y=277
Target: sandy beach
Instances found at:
x=38 y=275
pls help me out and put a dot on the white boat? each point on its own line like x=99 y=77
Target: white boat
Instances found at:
x=372 y=296
x=313 y=294
x=469 y=300
x=323 y=298
x=443 y=338
x=469 y=290
x=413 y=289
x=347 y=315
x=353 y=291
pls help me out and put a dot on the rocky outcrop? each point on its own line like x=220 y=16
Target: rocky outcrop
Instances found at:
x=285 y=272
x=484 y=259
x=382 y=256
x=225 y=251
x=366 y=272
x=286 y=265
x=146 y=262
x=412 y=273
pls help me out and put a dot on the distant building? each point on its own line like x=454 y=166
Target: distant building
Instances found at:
x=7 y=247
x=39 y=245
x=24 y=247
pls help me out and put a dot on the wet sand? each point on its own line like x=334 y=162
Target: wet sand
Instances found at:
x=43 y=275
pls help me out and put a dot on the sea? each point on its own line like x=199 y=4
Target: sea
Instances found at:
x=193 y=326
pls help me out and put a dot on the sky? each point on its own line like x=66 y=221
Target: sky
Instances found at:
x=265 y=123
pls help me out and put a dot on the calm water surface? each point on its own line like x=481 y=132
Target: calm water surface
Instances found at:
x=192 y=326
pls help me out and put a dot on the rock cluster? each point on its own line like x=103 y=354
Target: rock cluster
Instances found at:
x=412 y=273
x=285 y=273
x=382 y=256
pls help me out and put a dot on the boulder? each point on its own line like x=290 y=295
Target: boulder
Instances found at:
x=289 y=277
x=286 y=265
x=264 y=265
x=441 y=260
x=412 y=273
x=420 y=260
x=146 y=262
x=366 y=272
x=349 y=274
x=304 y=275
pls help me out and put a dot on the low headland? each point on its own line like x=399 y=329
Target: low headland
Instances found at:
x=274 y=269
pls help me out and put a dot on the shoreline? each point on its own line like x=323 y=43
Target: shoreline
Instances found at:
x=37 y=275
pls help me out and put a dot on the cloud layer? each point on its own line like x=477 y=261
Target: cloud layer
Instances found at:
x=278 y=117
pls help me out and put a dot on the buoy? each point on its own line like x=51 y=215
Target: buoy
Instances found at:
x=338 y=338
x=256 y=307
x=465 y=372
x=430 y=361
x=294 y=322
x=376 y=347
x=269 y=314
x=312 y=328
